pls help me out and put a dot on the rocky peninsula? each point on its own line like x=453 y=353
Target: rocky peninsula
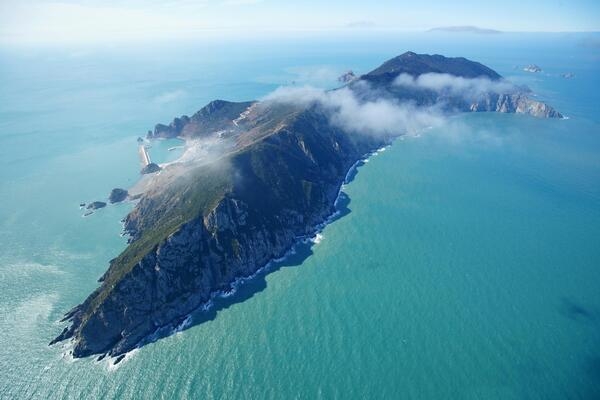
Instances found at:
x=271 y=176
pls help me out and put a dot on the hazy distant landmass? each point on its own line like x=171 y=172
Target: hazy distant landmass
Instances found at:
x=465 y=29
x=257 y=177
x=532 y=68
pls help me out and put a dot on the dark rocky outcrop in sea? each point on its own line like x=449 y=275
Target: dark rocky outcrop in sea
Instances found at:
x=194 y=236
x=96 y=205
x=150 y=169
x=117 y=195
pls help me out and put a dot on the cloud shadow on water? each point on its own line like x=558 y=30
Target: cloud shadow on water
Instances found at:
x=576 y=311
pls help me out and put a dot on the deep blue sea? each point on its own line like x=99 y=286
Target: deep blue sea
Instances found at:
x=468 y=266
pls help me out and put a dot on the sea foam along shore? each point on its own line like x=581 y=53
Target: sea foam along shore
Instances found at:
x=313 y=237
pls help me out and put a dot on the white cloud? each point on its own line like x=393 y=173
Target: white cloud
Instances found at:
x=346 y=110
x=57 y=21
x=169 y=97
x=319 y=75
x=455 y=85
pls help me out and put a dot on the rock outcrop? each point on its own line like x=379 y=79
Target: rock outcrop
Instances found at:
x=216 y=115
x=96 y=205
x=150 y=168
x=117 y=195
x=518 y=103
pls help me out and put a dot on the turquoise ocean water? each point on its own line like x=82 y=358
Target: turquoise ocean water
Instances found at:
x=468 y=266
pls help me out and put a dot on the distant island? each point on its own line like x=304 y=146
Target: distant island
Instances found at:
x=532 y=68
x=257 y=177
x=465 y=29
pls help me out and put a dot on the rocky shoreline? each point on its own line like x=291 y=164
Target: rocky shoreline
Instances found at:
x=237 y=282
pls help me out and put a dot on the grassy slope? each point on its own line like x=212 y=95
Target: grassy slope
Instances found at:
x=195 y=196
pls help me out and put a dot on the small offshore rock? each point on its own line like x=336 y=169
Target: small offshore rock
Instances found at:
x=150 y=169
x=117 y=195
x=96 y=205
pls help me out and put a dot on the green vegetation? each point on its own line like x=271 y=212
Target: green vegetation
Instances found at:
x=196 y=195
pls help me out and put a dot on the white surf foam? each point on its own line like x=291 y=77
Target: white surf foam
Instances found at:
x=317 y=239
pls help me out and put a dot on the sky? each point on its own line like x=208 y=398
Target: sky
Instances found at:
x=33 y=21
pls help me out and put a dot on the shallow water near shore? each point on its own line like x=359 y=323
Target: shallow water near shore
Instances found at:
x=467 y=267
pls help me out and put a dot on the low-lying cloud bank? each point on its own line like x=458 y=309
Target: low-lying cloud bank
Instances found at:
x=169 y=97
x=347 y=111
x=456 y=85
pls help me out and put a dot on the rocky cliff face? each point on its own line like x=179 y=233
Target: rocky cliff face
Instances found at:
x=284 y=186
x=177 y=277
x=216 y=115
x=518 y=103
x=192 y=235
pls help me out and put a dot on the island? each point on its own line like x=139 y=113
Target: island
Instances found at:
x=256 y=178
x=94 y=205
x=465 y=29
x=117 y=195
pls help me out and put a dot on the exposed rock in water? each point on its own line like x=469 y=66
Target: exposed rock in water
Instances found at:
x=117 y=195
x=119 y=359
x=150 y=168
x=96 y=205
x=191 y=238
